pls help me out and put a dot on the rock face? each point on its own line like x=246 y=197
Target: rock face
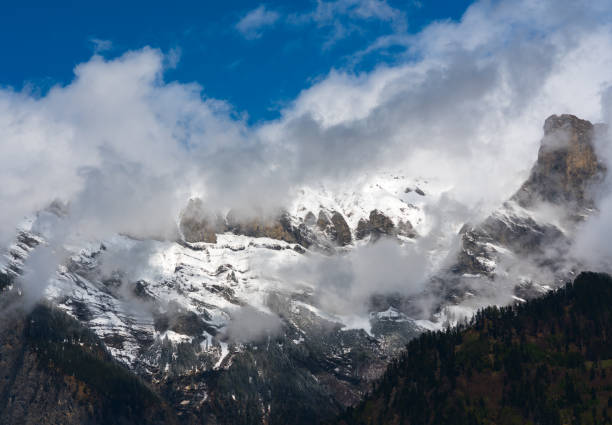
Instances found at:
x=335 y=228
x=567 y=164
x=324 y=232
x=405 y=228
x=310 y=219
x=561 y=180
x=323 y=221
x=379 y=224
x=274 y=228
x=342 y=232
x=199 y=225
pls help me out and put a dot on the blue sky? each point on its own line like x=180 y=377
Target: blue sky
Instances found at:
x=256 y=69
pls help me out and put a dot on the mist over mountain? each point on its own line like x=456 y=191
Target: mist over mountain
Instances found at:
x=232 y=272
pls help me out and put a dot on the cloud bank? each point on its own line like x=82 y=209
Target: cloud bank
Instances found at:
x=126 y=148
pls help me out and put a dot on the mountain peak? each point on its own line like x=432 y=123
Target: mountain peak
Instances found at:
x=564 y=121
x=567 y=164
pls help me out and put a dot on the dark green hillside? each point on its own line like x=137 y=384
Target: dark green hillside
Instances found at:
x=54 y=371
x=548 y=361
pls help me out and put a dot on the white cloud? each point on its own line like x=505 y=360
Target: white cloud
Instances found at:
x=127 y=148
x=252 y=24
x=117 y=142
x=468 y=105
x=345 y=283
x=471 y=106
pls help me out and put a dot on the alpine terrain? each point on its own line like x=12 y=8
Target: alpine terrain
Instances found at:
x=229 y=322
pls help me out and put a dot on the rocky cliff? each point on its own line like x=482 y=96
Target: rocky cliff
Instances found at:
x=526 y=243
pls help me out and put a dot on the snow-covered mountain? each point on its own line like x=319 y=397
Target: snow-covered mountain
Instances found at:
x=230 y=322
x=178 y=312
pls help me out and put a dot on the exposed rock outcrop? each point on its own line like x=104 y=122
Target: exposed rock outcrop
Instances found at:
x=342 y=230
x=275 y=228
x=197 y=224
x=363 y=229
x=379 y=224
x=335 y=228
x=405 y=228
x=565 y=173
x=323 y=221
x=567 y=164
x=310 y=219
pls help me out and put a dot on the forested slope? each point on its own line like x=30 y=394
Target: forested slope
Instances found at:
x=547 y=361
x=54 y=371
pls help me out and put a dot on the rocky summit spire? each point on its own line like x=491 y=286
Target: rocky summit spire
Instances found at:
x=567 y=164
x=565 y=175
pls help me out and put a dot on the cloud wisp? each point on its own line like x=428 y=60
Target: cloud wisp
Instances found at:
x=337 y=20
x=253 y=24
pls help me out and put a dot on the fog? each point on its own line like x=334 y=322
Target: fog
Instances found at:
x=248 y=324
x=592 y=246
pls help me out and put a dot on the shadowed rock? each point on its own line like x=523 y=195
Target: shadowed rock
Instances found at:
x=379 y=224
x=566 y=171
x=405 y=228
x=323 y=221
x=197 y=224
x=310 y=219
x=336 y=228
x=275 y=228
x=343 y=232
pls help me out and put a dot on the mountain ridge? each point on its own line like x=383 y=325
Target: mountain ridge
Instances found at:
x=169 y=310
